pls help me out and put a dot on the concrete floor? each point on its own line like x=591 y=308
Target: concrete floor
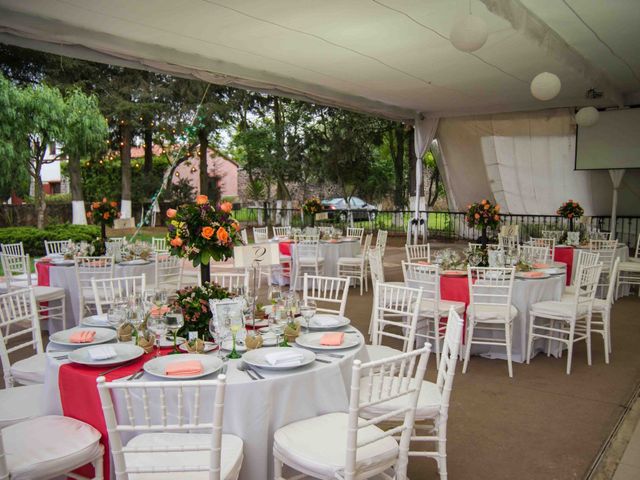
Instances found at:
x=542 y=424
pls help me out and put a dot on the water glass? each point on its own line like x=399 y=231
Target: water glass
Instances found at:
x=308 y=310
x=157 y=324
x=175 y=321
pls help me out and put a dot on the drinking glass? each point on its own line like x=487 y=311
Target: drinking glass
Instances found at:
x=278 y=322
x=218 y=333
x=175 y=321
x=235 y=326
x=116 y=316
x=275 y=294
x=308 y=310
x=158 y=326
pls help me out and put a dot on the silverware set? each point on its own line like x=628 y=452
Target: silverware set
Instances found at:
x=249 y=370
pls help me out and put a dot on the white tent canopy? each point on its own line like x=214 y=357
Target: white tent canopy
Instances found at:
x=391 y=58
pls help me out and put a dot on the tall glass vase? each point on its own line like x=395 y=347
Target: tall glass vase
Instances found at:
x=483 y=239
x=205 y=273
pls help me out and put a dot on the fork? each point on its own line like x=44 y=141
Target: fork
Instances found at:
x=243 y=368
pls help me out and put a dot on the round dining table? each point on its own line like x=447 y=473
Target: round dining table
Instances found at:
x=254 y=409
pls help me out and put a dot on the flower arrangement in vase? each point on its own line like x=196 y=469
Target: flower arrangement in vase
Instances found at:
x=202 y=232
x=483 y=215
x=194 y=302
x=312 y=206
x=103 y=213
x=570 y=210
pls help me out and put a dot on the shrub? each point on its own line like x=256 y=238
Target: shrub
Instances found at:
x=33 y=238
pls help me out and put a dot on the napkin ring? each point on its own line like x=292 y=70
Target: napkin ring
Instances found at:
x=253 y=341
x=292 y=331
x=125 y=332
x=146 y=343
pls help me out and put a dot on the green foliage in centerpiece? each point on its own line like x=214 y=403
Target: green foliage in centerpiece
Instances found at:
x=194 y=302
x=570 y=210
x=312 y=206
x=483 y=214
x=104 y=212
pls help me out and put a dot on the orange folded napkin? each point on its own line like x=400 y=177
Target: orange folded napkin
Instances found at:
x=534 y=274
x=82 y=336
x=332 y=339
x=156 y=311
x=45 y=260
x=183 y=369
x=540 y=265
x=421 y=262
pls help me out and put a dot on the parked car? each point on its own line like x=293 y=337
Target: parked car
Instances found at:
x=361 y=210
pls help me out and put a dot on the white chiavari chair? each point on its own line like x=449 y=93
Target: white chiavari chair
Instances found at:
x=86 y=269
x=20 y=327
x=418 y=253
x=50 y=300
x=281 y=231
x=355 y=232
x=376 y=267
x=507 y=242
x=432 y=309
x=232 y=281
x=307 y=258
x=607 y=251
x=168 y=272
x=355 y=267
x=549 y=243
x=260 y=234
x=629 y=272
x=330 y=293
x=490 y=310
x=56 y=247
x=381 y=241
x=533 y=254
x=12 y=248
x=179 y=430
x=159 y=244
x=433 y=402
x=107 y=291
x=478 y=246
x=601 y=313
x=349 y=445
x=584 y=259
x=566 y=322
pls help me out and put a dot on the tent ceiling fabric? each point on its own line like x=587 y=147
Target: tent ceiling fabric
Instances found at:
x=386 y=57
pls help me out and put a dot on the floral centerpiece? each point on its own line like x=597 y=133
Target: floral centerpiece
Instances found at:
x=483 y=215
x=570 y=210
x=83 y=249
x=135 y=250
x=194 y=302
x=103 y=213
x=312 y=206
x=202 y=232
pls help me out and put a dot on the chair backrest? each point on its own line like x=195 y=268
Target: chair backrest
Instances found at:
x=418 y=252
x=491 y=286
x=613 y=278
x=531 y=253
x=607 y=251
x=490 y=246
x=586 y=283
x=329 y=292
x=376 y=267
x=381 y=241
x=159 y=244
x=449 y=359
x=395 y=306
x=549 y=243
x=507 y=241
x=308 y=247
x=637 y=252
x=16 y=265
x=12 y=248
x=281 y=231
x=260 y=234
x=53 y=247
x=598 y=235
x=88 y=268
x=232 y=281
x=107 y=291
x=168 y=271
x=426 y=277
x=170 y=407
x=555 y=234
x=365 y=249
x=355 y=232
x=19 y=327
x=396 y=379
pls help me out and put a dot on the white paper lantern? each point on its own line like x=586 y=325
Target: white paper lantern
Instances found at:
x=545 y=86
x=469 y=33
x=587 y=116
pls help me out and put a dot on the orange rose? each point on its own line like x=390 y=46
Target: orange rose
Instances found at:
x=106 y=215
x=114 y=204
x=477 y=216
x=104 y=199
x=176 y=242
x=222 y=235
x=202 y=199
x=171 y=213
x=496 y=217
x=236 y=226
x=207 y=232
x=497 y=208
x=483 y=202
x=486 y=207
x=226 y=207
x=95 y=205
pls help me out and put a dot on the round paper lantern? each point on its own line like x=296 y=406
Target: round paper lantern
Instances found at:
x=469 y=33
x=587 y=116
x=545 y=86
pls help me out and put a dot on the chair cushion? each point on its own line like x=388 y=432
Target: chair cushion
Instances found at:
x=633 y=266
x=557 y=308
x=489 y=313
x=310 y=260
x=231 y=460
x=444 y=306
x=44 y=294
x=30 y=371
x=600 y=305
x=20 y=403
x=46 y=447
x=378 y=352
x=318 y=445
x=428 y=401
x=350 y=261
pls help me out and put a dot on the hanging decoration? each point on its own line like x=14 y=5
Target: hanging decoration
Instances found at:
x=545 y=86
x=469 y=33
x=587 y=116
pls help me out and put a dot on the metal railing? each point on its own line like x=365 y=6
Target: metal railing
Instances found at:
x=441 y=225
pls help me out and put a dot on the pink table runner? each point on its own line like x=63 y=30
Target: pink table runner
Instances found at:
x=565 y=255
x=43 y=273
x=456 y=289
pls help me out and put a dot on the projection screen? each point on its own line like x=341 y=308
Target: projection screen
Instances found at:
x=613 y=142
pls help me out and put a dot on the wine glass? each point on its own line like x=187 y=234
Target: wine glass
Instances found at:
x=235 y=325
x=308 y=310
x=275 y=293
x=278 y=321
x=158 y=326
x=175 y=321
x=218 y=333
x=136 y=318
x=116 y=316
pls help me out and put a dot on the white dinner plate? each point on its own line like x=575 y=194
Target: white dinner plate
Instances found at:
x=523 y=276
x=125 y=353
x=228 y=346
x=337 y=322
x=208 y=346
x=258 y=358
x=137 y=261
x=96 y=321
x=156 y=367
x=263 y=322
x=103 y=335
x=312 y=340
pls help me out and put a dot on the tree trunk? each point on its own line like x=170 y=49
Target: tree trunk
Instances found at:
x=412 y=164
x=77 y=198
x=203 y=137
x=38 y=195
x=125 y=160
x=398 y=166
x=148 y=150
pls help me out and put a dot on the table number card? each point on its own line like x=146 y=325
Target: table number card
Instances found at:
x=322 y=216
x=262 y=254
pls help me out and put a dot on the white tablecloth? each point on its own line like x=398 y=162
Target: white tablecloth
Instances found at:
x=65 y=277
x=254 y=410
